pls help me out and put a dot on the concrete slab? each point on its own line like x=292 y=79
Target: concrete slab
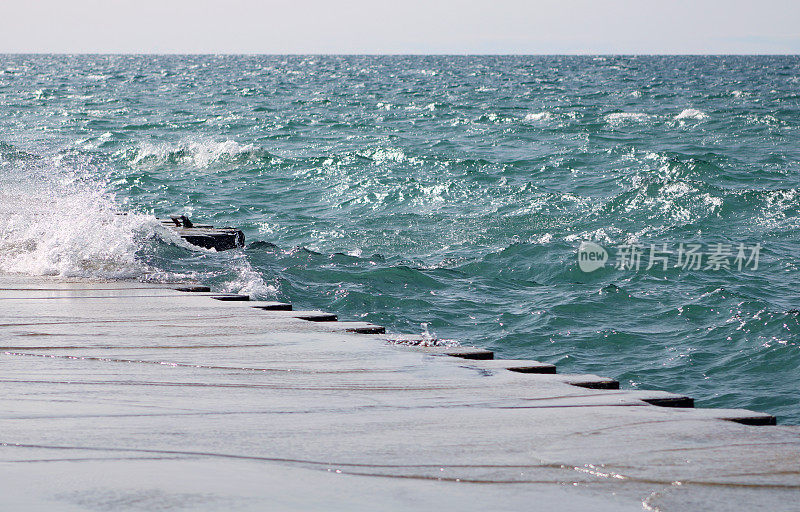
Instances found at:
x=124 y=396
x=515 y=365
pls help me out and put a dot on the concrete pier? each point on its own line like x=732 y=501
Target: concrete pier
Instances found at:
x=133 y=396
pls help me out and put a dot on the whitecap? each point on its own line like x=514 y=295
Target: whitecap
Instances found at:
x=691 y=113
x=496 y=118
x=197 y=153
x=538 y=116
x=383 y=155
x=542 y=239
x=624 y=117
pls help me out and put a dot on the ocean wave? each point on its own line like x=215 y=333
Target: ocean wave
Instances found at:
x=201 y=154
x=247 y=280
x=538 y=116
x=61 y=223
x=494 y=118
x=768 y=119
x=384 y=155
x=677 y=190
x=625 y=117
x=691 y=113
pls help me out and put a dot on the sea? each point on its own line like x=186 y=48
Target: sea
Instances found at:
x=636 y=217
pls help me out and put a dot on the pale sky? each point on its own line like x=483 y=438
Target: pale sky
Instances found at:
x=410 y=26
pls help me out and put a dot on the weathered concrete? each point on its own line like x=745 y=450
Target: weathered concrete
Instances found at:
x=131 y=396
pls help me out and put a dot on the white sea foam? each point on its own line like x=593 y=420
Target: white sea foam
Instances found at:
x=626 y=117
x=496 y=118
x=248 y=281
x=538 y=116
x=691 y=113
x=197 y=153
x=600 y=235
x=541 y=239
x=55 y=222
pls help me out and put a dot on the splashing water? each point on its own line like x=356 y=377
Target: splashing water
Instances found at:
x=61 y=223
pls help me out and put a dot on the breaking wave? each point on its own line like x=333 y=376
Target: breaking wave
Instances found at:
x=64 y=220
x=61 y=223
x=200 y=154
x=691 y=113
x=539 y=117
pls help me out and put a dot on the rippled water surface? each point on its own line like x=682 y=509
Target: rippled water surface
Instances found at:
x=440 y=194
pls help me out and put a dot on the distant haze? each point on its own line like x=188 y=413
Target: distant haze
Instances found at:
x=410 y=26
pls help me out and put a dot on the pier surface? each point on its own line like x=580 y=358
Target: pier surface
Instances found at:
x=132 y=396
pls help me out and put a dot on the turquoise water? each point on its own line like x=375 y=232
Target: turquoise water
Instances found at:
x=437 y=194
